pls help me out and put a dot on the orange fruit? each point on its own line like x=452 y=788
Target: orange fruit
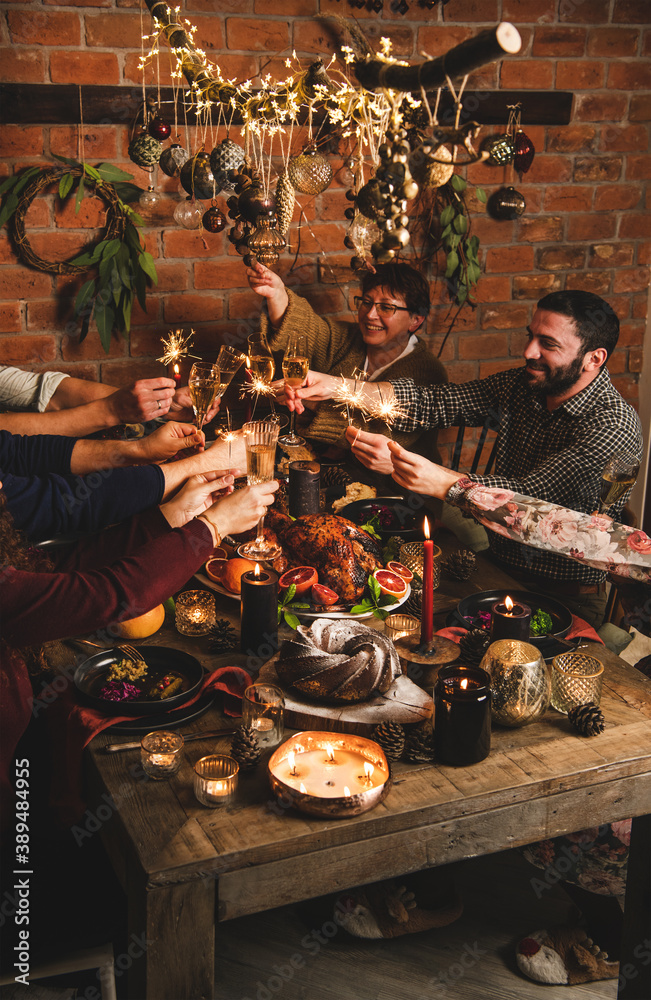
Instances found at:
x=323 y=595
x=219 y=552
x=216 y=567
x=143 y=625
x=303 y=577
x=391 y=583
x=403 y=571
x=233 y=573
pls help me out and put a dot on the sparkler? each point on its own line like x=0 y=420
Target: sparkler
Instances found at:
x=388 y=410
x=257 y=387
x=176 y=346
x=355 y=399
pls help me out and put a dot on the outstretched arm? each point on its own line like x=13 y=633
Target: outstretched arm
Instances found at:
x=269 y=286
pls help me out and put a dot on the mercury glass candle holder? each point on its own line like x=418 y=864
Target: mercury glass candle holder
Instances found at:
x=161 y=754
x=215 y=780
x=576 y=680
x=263 y=708
x=520 y=682
x=195 y=612
x=412 y=556
x=399 y=626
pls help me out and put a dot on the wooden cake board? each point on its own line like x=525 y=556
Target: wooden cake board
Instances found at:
x=404 y=702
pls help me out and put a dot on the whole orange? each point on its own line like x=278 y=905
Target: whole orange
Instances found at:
x=233 y=572
x=143 y=625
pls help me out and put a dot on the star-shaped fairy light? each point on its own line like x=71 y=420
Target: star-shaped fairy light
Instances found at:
x=176 y=346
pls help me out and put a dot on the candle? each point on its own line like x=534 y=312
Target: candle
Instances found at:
x=331 y=776
x=462 y=720
x=510 y=620
x=161 y=753
x=215 y=780
x=259 y=614
x=175 y=373
x=304 y=483
x=263 y=710
x=194 y=612
x=427 y=614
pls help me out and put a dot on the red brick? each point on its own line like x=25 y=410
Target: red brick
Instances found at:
x=7 y=252
x=612 y=42
x=644 y=253
x=90 y=349
x=505 y=316
x=571 y=139
x=24 y=283
x=530 y=74
x=183 y=243
x=114 y=30
x=631 y=334
x=402 y=39
x=476 y=346
x=171 y=277
x=189 y=308
x=99 y=142
x=22 y=66
x=582 y=74
x=10 y=317
x=41 y=28
x=640 y=109
x=133 y=74
x=122 y=373
x=38 y=214
x=591 y=226
x=600 y=107
x=492 y=231
x=631 y=280
x=548 y=169
x=290 y=8
x=625 y=138
x=617 y=363
x=639 y=306
x=627 y=387
x=620 y=305
x=597 y=168
x=81 y=3
x=534 y=286
x=611 y=255
x=220 y=6
x=573 y=198
x=634 y=227
x=251 y=34
x=528 y=11
x=47 y=314
x=594 y=12
x=617 y=197
x=437 y=39
x=487 y=368
x=646 y=43
x=631 y=12
x=59 y=245
x=210 y=35
x=540 y=230
x=589 y=281
x=92 y=213
x=629 y=75
x=326 y=236
x=635 y=360
x=225 y=273
x=558 y=41
x=509 y=259
x=84 y=67
x=26 y=350
x=17 y=140
x=473 y=10
x=561 y=258
x=638 y=168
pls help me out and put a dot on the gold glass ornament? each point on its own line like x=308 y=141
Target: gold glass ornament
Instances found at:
x=500 y=149
x=310 y=172
x=265 y=242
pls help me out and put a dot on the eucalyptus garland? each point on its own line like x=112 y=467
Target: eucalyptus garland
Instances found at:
x=462 y=270
x=121 y=264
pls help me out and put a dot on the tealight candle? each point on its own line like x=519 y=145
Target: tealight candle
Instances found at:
x=161 y=754
x=259 y=613
x=263 y=710
x=215 y=780
x=510 y=620
x=462 y=719
x=195 y=612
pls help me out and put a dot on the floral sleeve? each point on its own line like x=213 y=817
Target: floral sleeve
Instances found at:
x=593 y=539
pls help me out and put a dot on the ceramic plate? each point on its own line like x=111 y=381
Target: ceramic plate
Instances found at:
x=90 y=677
x=469 y=608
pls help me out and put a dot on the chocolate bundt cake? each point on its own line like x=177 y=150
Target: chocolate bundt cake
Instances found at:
x=339 y=661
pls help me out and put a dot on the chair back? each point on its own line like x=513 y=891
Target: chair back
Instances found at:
x=490 y=424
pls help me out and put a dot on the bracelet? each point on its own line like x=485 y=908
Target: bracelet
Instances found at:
x=458 y=491
x=212 y=527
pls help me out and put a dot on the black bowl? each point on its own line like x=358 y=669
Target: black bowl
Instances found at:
x=90 y=676
x=561 y=617
x=404 y=521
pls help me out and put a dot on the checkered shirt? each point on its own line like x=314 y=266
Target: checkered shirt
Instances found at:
x=554 y=455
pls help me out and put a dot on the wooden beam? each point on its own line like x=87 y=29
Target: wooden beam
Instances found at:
x=58 y=104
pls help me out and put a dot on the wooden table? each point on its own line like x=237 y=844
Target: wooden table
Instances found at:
x=185 y=868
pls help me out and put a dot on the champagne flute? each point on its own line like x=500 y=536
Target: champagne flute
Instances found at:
x=228 y=362
x=296 y=365
x=619 y=474
x=261 y=361
x=260 y=439
x=203 y=385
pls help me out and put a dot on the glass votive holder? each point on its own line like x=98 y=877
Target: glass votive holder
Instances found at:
x=215 y=780
x=399 y=626
x=195 y=612
x=576 y=680
x=411 y=556
x=161 y=754
x=263 y=709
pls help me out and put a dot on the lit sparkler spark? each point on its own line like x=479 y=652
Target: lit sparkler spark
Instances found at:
x=258 y=387
x=388 y=410
x=352 y=399
x=176 y=346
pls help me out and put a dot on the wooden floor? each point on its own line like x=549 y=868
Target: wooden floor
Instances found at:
x=472 y=959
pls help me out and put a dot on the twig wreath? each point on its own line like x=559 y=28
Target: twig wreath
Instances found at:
x=123 y=265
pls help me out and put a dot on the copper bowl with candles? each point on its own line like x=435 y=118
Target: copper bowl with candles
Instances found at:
x=335 y=775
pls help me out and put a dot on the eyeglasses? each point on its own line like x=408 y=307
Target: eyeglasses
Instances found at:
x=385 y=309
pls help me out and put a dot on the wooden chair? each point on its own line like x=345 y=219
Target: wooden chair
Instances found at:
x=490 y=424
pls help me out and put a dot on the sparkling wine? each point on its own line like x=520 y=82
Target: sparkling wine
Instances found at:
x=262 y=366
x=224 y=379
x=614 y=486
x=202 y=394
x=260 y=463
x=295 y=370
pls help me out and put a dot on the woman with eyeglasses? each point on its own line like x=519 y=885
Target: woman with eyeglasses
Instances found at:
x=391 y=310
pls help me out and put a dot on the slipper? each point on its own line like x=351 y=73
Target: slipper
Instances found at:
x=564 y=956
x=387 y=909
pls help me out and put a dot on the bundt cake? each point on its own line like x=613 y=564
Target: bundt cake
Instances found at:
x=338 y=661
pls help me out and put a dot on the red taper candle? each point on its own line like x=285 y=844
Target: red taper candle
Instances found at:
x=427 y=616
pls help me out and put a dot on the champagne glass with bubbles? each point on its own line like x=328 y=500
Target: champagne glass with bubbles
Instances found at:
x=260 y=439
x=261 y=361
x=618 y=476
x=203 y=385
x=295 y=368
x=228 y=362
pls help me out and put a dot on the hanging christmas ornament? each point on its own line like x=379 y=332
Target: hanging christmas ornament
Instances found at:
x=172 y=159
x=226 y=156
x=397 y=186
x=253 y=202
x=158 y=128
x=213 y=220
x=507 y=203
x=197 y=177
x=500 y=149
x=145 y=151
x=426 y=167
x=370 y=199
x=188 y=214
x=524 y=152
x=265 y=242
x=310 y=172
x=285 y=201
x=149 y=199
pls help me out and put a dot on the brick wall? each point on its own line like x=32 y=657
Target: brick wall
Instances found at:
x=585 y=225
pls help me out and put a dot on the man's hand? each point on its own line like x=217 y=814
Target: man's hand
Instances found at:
x=181 y=407
x=371 y=450
x=144 y=400
x=270 y=286
x=166 y=442
x=242 y=509
x=420 y=475
x=199 y=493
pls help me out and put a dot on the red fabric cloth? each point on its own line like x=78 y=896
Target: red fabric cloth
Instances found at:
x=73 y=725
x=16 y=701
x=578 y=629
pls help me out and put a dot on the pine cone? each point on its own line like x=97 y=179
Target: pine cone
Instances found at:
x=419 y=746
x=285 y=201
x=414 y=603
x=244 y=748
x=391 y=737
x=334 y=475
x=461 y=564
x=587 y=719
x=473 y=645
x=222 y=636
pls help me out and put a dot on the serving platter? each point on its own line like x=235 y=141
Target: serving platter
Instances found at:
x=90 y=676
x=470 y=607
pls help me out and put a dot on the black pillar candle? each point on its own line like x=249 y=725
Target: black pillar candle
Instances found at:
x=510 y=620
x=304 y=483
x=462 y=715
x=259 y=614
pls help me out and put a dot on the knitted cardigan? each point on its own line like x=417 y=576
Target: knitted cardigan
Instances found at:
x=336 y=348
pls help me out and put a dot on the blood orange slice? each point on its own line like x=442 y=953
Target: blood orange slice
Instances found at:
x=323 y=595
x=403 y=571
x=391 y=583
x=215 y=568
x=303 y=577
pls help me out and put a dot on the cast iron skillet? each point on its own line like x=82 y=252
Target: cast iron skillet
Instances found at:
x=90 y=677
x=561 y=617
